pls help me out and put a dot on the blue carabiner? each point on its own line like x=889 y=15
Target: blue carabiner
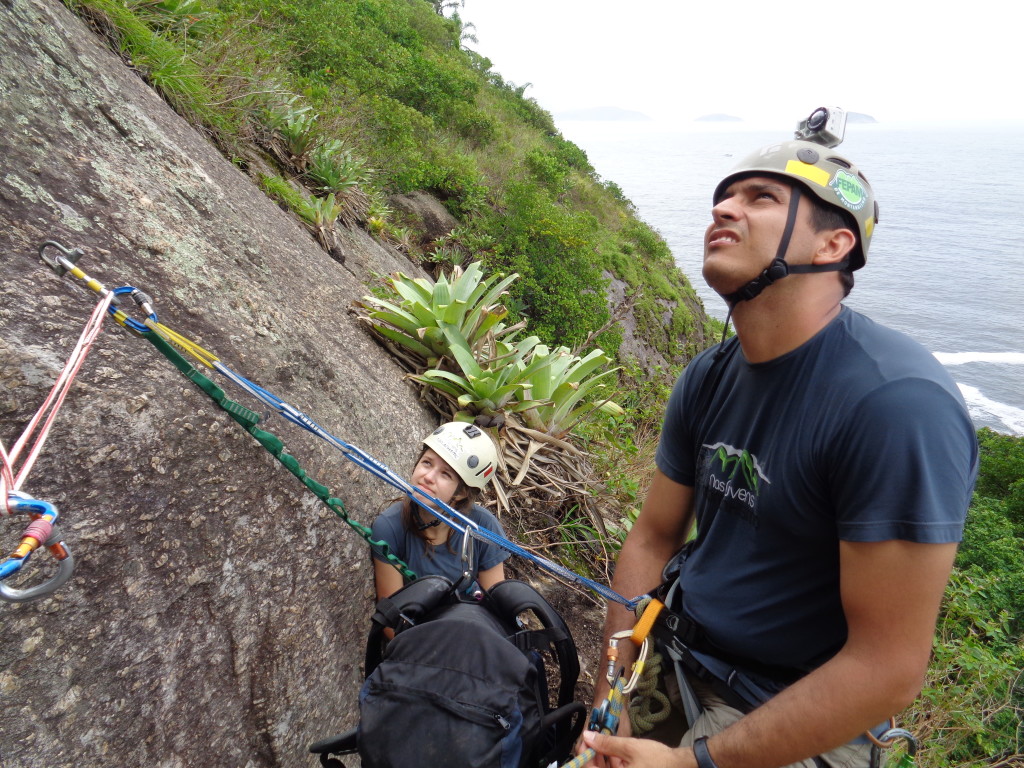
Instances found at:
x=20 y=502
x=142 y=300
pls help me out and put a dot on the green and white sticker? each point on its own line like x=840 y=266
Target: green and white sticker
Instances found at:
x=849 y=190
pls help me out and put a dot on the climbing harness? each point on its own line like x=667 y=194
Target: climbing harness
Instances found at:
x=41 y=531
x=685 y=643
x=605 y=718
x=168 y=342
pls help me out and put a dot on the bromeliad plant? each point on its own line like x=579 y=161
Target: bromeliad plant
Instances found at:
x=561 y=392
x=452 y=337
x=415 y=319
x=490 y=386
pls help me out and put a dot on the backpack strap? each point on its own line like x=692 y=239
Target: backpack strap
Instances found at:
x=402 y=610
x=512 y=597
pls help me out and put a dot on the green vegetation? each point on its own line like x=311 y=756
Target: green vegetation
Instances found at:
x=362 y=99
x=971 y=712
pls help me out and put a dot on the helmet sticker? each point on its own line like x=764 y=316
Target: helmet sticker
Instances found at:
x=810 y=172
x=849 y=190
x=454 y=447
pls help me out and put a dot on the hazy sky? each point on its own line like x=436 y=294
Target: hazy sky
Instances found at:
x=679 y=59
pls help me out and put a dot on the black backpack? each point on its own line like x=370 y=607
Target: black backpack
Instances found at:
x=464 y=683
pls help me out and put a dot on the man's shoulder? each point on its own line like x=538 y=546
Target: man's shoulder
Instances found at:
x=892 y=353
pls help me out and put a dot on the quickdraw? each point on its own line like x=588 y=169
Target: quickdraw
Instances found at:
x=168 y=342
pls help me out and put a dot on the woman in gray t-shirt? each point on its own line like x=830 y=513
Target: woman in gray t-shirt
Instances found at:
x=457 y=461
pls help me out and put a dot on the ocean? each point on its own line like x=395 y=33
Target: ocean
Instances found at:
x=946 y=264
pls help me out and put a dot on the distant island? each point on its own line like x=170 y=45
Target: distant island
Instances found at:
x=602 y=113
x=718 y=119
x=851 y=117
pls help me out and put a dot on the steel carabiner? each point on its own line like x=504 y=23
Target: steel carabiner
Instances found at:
x=40 y=533
x=638 y=665
x=887 y=739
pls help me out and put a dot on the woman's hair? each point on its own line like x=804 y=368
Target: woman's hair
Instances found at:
x=462 y=500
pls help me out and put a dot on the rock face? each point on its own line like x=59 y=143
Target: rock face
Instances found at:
x=217 y=613
x=426 y=213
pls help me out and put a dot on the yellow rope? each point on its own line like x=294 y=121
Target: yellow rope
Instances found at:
x=648 y=705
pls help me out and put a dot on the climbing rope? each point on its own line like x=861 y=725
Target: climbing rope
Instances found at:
x=41 y=530
x=650 y=705
x=169 y=342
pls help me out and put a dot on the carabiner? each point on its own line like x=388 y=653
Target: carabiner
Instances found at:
x=143 y=301
x=67 y=261
x=887 y=739
x=40 y=533
x=469 y=574
x=638 y=665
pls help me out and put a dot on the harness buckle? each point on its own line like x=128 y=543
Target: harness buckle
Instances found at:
x=40 y=533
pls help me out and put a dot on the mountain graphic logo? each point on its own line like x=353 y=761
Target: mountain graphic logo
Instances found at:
x=735 y=461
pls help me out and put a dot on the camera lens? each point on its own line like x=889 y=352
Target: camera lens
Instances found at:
x=817 y=119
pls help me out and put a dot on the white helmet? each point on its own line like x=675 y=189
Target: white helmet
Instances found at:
x=467 y=450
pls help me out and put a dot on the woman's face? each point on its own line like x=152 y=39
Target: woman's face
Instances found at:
x=434 y=475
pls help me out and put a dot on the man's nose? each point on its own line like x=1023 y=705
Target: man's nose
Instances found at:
x=724 y=210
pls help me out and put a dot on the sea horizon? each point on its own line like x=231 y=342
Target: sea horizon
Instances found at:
x=942 y=260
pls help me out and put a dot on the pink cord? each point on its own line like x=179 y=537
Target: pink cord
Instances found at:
x=39 y=529
x=8 y=480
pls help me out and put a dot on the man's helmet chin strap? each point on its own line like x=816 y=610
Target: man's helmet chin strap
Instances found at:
x=779 y=268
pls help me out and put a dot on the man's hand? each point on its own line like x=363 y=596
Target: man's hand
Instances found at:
x=619 y=752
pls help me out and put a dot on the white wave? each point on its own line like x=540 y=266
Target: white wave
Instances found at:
x=986 y=410
x=962 y=358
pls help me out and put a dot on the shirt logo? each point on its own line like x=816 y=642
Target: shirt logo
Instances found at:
x=732 y=480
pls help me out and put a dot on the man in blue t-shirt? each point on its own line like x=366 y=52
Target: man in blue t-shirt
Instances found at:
x=827 y=463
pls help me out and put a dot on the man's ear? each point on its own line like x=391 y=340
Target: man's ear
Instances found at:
x=835 y=246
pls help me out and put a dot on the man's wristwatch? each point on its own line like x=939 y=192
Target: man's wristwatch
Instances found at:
x=700 y=751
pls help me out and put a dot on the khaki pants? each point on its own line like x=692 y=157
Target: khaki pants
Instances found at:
x=717 y=716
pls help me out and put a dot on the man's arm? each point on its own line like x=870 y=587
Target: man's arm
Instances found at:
x=658 y=533
x=891 y=593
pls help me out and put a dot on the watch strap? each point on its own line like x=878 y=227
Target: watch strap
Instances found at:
x=700 y=751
